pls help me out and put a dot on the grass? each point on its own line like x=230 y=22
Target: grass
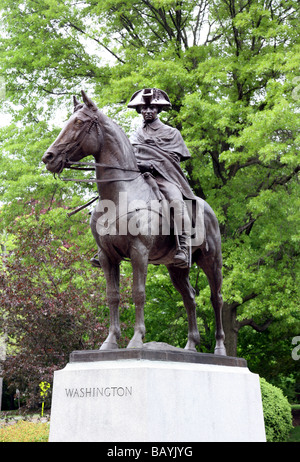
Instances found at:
x=294 y=435
x=19 y=427
x=25 y=432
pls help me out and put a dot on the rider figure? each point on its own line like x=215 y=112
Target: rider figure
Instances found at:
x=159 y=149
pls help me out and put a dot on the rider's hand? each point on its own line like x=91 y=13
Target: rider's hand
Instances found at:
x=145 y=166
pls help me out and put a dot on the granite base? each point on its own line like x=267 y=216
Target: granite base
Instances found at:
x=152 y=396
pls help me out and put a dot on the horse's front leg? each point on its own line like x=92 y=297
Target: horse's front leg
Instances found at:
x=139 y=261
x=112 y=276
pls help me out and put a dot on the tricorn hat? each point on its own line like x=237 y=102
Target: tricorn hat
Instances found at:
x=149 y=96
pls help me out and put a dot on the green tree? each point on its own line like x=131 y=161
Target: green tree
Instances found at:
x=231 y=69
x=49 y=306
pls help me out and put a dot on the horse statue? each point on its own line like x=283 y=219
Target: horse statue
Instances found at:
x=128 y=193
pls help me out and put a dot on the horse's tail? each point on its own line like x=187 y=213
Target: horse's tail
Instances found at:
x=198 y=231
x=210 y=233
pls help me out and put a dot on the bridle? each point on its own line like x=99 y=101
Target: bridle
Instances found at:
x=89 y=166
x=76 y=144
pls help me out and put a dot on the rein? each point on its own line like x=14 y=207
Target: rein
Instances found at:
x=97 y=164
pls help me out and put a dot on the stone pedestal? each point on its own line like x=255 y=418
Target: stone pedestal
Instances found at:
x=155 y=396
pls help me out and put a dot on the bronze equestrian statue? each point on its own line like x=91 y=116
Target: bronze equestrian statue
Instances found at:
x=136 y=181
x=159 y=149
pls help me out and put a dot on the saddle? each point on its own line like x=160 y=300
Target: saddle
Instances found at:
x=195 y=210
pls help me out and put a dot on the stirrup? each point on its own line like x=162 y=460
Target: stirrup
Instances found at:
x=95 y=262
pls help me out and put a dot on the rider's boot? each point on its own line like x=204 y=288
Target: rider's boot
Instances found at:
x=182 y=256
x=182 y=222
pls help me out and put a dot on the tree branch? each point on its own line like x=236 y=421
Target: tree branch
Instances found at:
x=235 y=305
x=96 y=40
x=252 y=323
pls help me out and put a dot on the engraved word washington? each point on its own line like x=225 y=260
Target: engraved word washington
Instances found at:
x=95 y=392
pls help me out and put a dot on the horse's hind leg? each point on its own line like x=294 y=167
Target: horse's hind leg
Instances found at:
x=139 y=262
x=112 y=276
x=211 y=263
x=181 y=282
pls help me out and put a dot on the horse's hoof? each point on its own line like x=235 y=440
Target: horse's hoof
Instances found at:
x=221 y=351
x=135 y=344
x=190 y=347
x=109 y=346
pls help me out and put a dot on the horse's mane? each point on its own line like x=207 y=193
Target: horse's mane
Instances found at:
x=114 y=132
x=111 y=127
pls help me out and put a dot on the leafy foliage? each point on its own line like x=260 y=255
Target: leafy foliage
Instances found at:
x=231 y=69
x=277 y=413
x=50 y=302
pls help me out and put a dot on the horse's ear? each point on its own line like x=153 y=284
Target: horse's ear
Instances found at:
x=75 y=101
x=88 y=101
